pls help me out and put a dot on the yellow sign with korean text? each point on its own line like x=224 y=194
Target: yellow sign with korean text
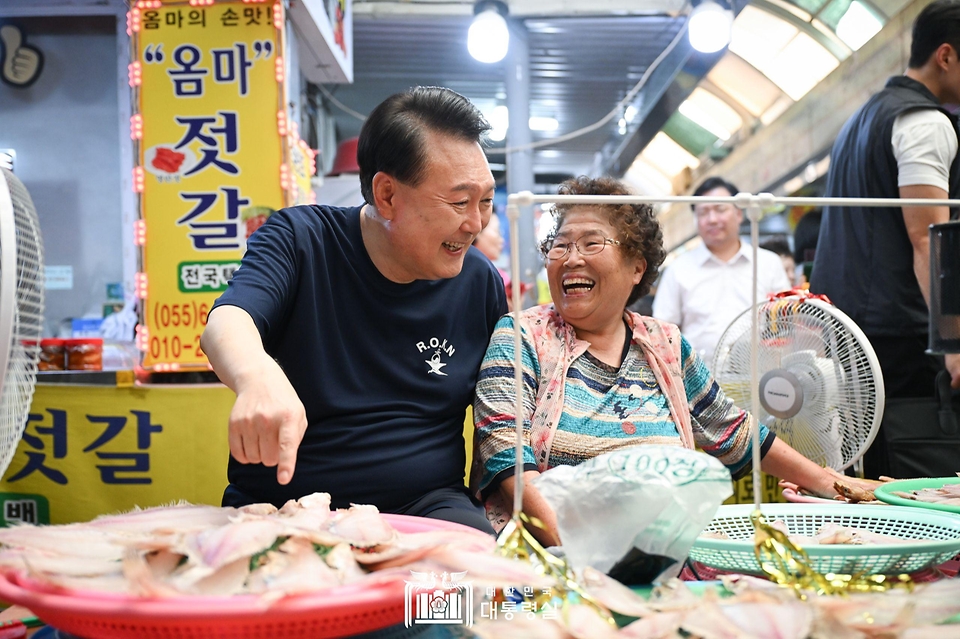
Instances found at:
x=211 y=151
x=303 y=165
x=92 y=450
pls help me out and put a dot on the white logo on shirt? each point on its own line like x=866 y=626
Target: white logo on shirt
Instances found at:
x=439 y=348
x=435 y=364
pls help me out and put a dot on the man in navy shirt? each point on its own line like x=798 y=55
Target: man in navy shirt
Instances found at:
x=353 y=336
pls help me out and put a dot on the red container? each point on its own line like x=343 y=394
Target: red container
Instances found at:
x=345 y=161
x=84 y=354
x=53 y=355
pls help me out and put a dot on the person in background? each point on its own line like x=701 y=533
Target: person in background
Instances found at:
x=490 y=240
x=706 y=288
x=352 y=336
x=598 y=378
x=490 y=243
x=805 y=237
x=874 y=263
x=781 y=247
x=644 y=305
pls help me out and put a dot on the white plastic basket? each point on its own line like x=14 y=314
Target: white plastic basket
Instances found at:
x=936 y=535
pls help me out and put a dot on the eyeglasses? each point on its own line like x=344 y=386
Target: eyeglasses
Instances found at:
x=589 y=244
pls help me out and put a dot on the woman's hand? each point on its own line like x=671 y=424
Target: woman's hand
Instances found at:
x=534 y=505
x=843 y=488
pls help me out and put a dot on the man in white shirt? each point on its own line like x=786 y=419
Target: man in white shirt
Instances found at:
x=705 y=289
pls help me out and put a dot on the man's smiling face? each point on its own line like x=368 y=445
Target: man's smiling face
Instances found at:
x=436 y=221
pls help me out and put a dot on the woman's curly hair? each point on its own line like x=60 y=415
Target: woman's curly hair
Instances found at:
x=637 y=227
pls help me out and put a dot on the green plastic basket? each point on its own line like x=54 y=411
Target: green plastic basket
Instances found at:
x=885 y=492
x=937 y=535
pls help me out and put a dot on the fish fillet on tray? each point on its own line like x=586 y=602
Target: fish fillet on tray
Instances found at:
x=202 y=571
x=936 y=493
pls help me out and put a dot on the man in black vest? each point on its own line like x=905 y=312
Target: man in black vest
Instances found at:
x=873 y=263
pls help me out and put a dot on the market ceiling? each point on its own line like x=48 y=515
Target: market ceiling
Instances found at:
x=586 y=56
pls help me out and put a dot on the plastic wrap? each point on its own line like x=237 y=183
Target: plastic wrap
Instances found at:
x=635 y=513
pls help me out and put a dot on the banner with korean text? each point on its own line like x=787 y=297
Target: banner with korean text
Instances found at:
x=213 y=155
x=93 y=450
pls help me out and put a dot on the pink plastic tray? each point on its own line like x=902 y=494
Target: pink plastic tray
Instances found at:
x=337 y=612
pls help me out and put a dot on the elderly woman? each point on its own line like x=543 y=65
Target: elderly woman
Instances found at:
x=598 y=378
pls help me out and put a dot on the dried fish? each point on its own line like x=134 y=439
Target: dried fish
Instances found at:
x=759 y=609
x=948 y=494
x=830 y=534
x=202 y=550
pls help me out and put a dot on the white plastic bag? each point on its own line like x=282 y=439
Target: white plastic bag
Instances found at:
x=656 y=499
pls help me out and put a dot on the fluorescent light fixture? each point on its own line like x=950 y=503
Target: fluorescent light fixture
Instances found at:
x=499 y=119
x=488 y=38
x=858 y=25
x=543 y=124
x=709 y=27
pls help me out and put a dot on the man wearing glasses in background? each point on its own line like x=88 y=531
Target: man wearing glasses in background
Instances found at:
x=705 y=289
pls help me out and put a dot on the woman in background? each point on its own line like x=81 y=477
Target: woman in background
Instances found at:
x=490 y=243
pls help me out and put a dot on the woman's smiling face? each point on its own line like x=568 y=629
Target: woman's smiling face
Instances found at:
x=591 y=292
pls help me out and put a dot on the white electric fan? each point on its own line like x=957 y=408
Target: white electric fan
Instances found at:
x=21 y=309
x=821 y=389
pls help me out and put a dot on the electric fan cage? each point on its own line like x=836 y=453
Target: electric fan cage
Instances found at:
x=739 y=330
x=21 y=310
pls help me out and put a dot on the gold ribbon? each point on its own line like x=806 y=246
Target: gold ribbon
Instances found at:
x=788 y=565
x=517 y=542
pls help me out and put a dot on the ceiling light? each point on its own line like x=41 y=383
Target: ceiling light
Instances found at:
x=543 y=124
x=709 y=27
x=630 y=113
x=488 y=37
x=499 y=120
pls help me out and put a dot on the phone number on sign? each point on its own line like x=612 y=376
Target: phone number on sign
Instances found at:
x=186 y=315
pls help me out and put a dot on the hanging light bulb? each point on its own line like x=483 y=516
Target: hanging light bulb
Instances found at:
x=709 y=27
x=488 y=37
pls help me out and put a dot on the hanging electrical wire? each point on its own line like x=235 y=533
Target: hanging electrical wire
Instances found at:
x=340 y=104
x=614 y=112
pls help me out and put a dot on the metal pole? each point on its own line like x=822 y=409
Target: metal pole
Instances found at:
x=520 y=163
x=513 y=217
x=753 y=214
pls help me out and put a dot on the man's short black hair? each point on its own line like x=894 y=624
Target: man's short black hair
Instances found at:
x=715 y=183
x=778 y=244
x=938 y=23
x=392 y=140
